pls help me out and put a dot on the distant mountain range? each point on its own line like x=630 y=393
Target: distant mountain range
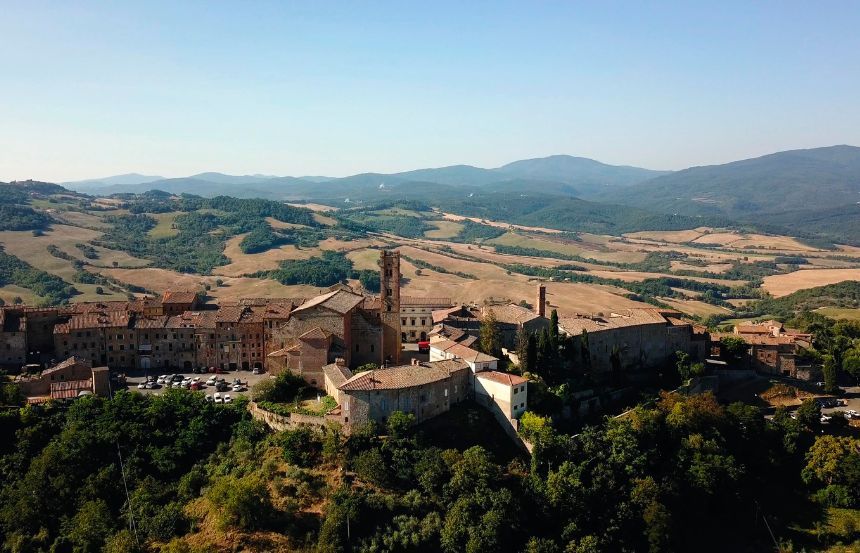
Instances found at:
x=813 y=192
x=582 y=176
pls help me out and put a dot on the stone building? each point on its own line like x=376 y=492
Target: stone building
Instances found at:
x=177 y=302
x=641 y=338
x=13 y=338
x=510 y=319
x=425 y=390
x=67 y=380
x=504 y=394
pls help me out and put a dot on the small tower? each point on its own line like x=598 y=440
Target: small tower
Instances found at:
x=389 y=310
x=540 y=304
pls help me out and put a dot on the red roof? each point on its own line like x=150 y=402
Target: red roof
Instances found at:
x=503 y=378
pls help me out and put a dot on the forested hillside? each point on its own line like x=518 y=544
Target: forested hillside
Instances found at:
x=176 y=473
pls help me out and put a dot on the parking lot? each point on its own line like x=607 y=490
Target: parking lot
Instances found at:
x=247 y=378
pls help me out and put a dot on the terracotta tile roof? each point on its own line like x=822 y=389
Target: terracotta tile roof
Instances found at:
x=339 y=301
x=315 y=333
x=502 y=378
x=97 y=306
x=280 y=352
x=512 y=314
x=229 y=314
x=150 y=322
x=440 y=315
x=95 y=319
x=632 y=317
x=468 y=340
x=463 y=352
x=70 y=362
x=70 y=388
x=405 y=376
x=179 y=296
x=338 y=374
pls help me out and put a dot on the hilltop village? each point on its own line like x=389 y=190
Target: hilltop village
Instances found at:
x=353 y=345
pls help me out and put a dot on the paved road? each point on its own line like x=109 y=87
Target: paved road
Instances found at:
x=248 y=380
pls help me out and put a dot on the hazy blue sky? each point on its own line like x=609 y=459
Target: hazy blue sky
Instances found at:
x=92 y=89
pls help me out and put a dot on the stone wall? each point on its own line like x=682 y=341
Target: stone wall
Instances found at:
x=279 y=423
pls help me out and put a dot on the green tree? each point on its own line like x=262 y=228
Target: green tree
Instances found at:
x=522 y=349
x=553 y=330
x=828 y=369
x=732 y=347
x=399 y=424
x=90 y=526
x=491 y=336
x=834 y=462
x=240 y=502
x=809 y=413
x=370 y=466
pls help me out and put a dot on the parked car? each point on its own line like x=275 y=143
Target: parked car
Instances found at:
x=257 y=370
x=237 y=388
x=152 y=385
x=218 y=399
x=141 y=386
x=163 y=379
x=177 y=378
x=212 y=381
x=825 y=418
x=227 y=398
x=196 y=386
x=221 y=387
x=210 y=398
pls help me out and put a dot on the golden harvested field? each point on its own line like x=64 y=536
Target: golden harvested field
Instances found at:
x=274 y=223
x=782 y=285
x=10 y=292
x=496 y=284
x=671 y=236
x=635 y=276
x=364 y=259
x=695 y=307
x=712 y=268
x=746 y=241
x=34 y=250
x=80 y=219
x=245 y=263
x=159 y=280
x=590 y=251
x=242 y=263
x=499 y=224
x=314 y=207
x=444 y=229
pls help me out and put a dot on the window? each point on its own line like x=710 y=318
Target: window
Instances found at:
x=356 y=347
x=403 y=322
x=371 y=348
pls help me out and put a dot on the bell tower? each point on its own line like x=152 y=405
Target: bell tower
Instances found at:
x=389 y=310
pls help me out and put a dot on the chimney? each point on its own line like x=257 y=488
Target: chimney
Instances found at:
x=540 y=305
x=415 y=362
x=340 y=362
